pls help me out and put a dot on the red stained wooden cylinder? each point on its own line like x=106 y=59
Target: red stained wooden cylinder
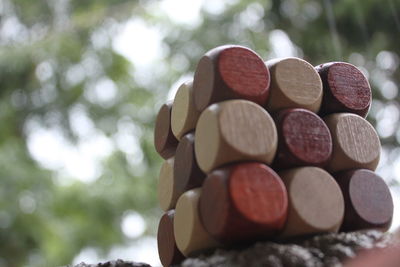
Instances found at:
x=368 y=202
x=229 y=72
x=346 y=89
x=304 y=139
x=243 y=202
x=187 y=173
x=164 y=140
x=167 y=249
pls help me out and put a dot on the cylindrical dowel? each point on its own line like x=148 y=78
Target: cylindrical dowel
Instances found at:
x=190 y=235
x=368 y=201
x=316 y=202
x=243 y=202
x=356 y=144
x=167 y=249
x=184 y=114
x=186 y=171
x=346 y=89
x=168 y=192
x=294 y=84
x=229 y=72
x=164 y=140
x=234 y=130
x=304 y=139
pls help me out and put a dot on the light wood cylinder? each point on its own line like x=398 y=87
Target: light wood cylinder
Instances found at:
x=190 y=235
x=184 y=114
x=316 y=202
x=234 y=130
x=294 y=84
x=356 y=144
x=168 y=192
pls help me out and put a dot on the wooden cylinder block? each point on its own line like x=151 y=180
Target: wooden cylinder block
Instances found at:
x=229 y=72
x=294 y=84
x=190 y=235
x=304 y=139
x=164 y=140
x=184 y=114
x=316 y=202
x=346 y=89
x=243 y=202
x=234 y=130
x=368 y=202
x=356 y=144
x=186 y=171
x=167 y=249
x=168 y=193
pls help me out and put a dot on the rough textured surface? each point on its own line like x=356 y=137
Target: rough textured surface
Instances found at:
x=324 y=250
x=320 y=251
x=117 y=263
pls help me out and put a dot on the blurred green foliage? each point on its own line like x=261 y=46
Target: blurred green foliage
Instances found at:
x=52 y=53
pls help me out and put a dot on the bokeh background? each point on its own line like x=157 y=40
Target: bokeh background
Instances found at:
x=81 y=83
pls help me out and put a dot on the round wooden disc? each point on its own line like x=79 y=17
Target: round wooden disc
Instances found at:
x=355 y=143
x=234 y=130
x=259 y=194
x=167 y=191
x=164 y=140
x=243 y=202
x=186 y=171
x=245 y=72
x=304 y=139
x=184 y=114
x=316 y=202
x=167 y=250
x=228 y=72
x=346 y=89
x=369 y=203
x=294 y=84
x=190 y=235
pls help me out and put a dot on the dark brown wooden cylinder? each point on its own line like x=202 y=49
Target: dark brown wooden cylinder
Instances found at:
x=368 y=202
x=303 y=139
x=164 y=140
x=167 y=249
x=346 y=89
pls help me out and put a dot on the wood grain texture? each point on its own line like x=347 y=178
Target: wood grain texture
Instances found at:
x=186 y=170
x=164 y=140
x=243 y=202
x=234 y=130
x=167 y=249
x=368 y=202
x=356 y=144
x=304 y=139
x=316 y=202
x=229 y=72
x=184 y=114
x=190 y=235
x=168 y=193
x=294 y=84
x=346 y=89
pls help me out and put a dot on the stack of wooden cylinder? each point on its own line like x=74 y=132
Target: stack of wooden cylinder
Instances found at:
x=269 y=150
